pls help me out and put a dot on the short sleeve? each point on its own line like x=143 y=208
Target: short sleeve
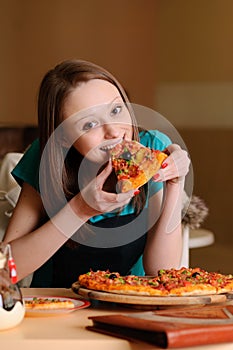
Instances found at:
x=27 y=169
x=157 y=140
x=154 y=139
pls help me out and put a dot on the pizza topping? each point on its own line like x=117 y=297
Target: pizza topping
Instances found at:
x=126 y=155
x=185 y=281
x=135 y=164
x=195 y=274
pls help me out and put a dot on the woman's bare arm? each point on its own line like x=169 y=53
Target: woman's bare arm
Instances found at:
x=32 y=242
x=164 y=242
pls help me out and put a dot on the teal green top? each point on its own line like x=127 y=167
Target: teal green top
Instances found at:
x=27 y=170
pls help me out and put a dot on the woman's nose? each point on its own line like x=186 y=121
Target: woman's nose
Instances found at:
x=111 y=131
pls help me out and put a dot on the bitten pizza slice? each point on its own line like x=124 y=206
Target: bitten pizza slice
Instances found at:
x=135 y=164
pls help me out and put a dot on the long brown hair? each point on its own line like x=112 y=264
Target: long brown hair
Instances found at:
x=55 y=87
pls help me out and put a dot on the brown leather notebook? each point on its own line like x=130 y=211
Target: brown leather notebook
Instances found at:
x=172 y=328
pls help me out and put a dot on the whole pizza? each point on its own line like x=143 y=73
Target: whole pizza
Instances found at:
x=172 y=282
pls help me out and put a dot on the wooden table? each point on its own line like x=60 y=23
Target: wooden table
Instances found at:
x=69 y=332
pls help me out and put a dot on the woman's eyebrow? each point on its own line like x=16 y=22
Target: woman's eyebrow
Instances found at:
x=116 y=98
x=92 y=110
x=84 y=117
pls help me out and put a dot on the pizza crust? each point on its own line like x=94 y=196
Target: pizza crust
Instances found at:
x=199 y=289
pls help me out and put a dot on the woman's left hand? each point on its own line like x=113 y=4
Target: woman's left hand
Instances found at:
x=175 y=166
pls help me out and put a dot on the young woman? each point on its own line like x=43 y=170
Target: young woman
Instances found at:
x=58 y=214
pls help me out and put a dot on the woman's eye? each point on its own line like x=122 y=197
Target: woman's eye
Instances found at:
x=116 y=110
x=89 y=125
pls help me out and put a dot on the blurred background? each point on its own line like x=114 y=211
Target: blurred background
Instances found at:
x=175 y=57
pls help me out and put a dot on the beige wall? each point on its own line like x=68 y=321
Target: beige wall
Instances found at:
x=195 y=62
x=35 y=35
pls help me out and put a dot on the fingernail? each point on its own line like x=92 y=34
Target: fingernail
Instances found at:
x=136 y=192
x=164 y=165
x=156 y=176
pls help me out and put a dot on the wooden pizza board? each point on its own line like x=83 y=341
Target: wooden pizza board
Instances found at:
x=147 y=300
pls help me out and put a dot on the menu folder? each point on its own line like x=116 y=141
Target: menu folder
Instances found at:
x=170 y=328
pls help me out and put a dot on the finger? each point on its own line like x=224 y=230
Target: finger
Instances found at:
x=181 y=162
x=117 y=206
x=124 y=196
x=159 y=176
x=117 y=197
x=101 y=178
x=172 y=148
x=111 y=201
x=172 y=170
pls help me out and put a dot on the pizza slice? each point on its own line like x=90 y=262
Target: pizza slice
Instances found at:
x=135 y=164
x=40 y=303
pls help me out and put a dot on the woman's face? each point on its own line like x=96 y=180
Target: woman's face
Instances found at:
x=97 y=119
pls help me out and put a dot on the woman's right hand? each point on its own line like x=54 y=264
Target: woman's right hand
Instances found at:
x=98 y=201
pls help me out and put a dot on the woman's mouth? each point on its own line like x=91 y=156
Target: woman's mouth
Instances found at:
x=108 y=147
